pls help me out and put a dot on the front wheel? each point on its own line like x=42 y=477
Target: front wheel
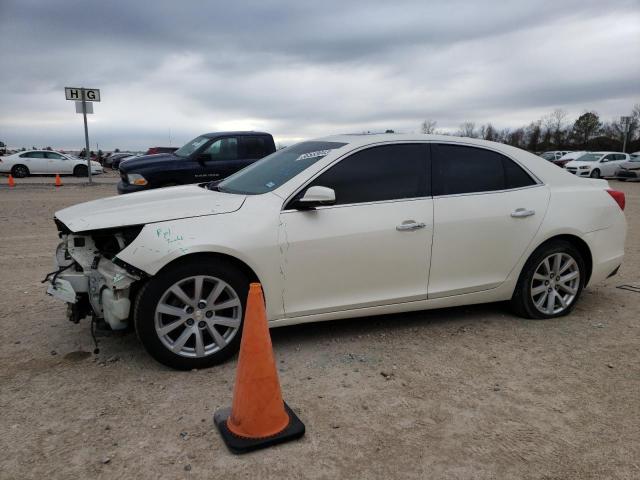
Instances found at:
x=595 y=174
x=81 y=171
x=190 y=315
x=550 y=282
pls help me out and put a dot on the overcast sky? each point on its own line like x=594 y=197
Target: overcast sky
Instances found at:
x=169 y=70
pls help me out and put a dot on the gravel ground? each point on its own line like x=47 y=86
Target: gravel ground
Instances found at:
x=468 y=392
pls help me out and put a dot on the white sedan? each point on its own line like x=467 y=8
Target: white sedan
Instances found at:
x=37 y=162
x=597 y=164
x=339 y=227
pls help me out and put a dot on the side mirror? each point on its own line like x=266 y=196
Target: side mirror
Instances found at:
x=203 y=157
x=315 y=197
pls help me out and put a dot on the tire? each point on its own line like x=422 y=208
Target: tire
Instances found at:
x=595 y=173
x=195 y=324
x=20 y=171
x=80 y=171
x=523 y=302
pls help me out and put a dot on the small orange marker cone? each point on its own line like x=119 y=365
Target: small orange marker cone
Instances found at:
x=58 y=180
x=12 y=182
x=258 y=417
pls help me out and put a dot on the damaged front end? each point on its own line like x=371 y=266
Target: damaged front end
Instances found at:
x=91 y=279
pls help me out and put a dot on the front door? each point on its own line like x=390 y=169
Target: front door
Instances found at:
x=487 y=209
x=219 y=160
x=57 y=163
x=373 y=246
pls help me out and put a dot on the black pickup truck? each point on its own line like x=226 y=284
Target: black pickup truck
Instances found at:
x=212 y=156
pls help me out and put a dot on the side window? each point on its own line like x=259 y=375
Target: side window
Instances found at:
x=223 y=149
x=515 y=176
x=33 y=155
x=387 y=172
x=254 y=147
x=55 y=156
x=460 y=169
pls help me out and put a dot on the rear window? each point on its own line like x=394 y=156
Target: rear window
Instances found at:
x=462 y=169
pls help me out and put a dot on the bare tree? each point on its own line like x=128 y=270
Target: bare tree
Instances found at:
x=487 y=132
x=467 y=129
x=428 y=126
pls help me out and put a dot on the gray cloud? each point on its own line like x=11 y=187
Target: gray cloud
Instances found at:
x=302 y=70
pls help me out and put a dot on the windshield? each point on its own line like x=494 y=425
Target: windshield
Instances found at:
x=273 y=170
x=191 y=147
x=590 y=157
x=548 y=156
x=635 y=157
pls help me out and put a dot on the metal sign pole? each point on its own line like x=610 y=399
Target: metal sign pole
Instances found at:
x=86 y=134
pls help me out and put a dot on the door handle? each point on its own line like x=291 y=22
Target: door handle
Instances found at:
x=522 y=212
x=409 y=225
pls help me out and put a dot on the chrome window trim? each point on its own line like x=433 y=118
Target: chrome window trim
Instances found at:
x=533 y=176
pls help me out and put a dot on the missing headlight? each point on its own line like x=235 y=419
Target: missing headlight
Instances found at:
x=111 y=241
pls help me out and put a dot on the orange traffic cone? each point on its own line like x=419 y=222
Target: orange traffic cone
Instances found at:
x=58 y=180
x=12 y=182
x=258 y=417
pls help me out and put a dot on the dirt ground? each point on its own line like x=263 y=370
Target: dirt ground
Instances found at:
x=469 y=393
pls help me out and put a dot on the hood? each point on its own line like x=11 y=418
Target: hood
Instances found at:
x=578 y=163
x=630 y=165
x=151 y=206
x=143 y=161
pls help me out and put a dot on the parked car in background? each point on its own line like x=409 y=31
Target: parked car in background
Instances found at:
x=212 y=156
x=554 y=155
x=154 y=150
x=629 y=170
x=338 y=227
x=597 y=164
x=566 y=158
x=38 y=162
x=108 y=161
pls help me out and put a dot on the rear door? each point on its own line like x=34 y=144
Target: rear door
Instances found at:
x=487 y=209
x=252 y=148
x=35 y=162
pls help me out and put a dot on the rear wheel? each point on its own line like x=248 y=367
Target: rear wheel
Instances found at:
x=595 y=173
x=20 y=171
x=81 y=171
x=190 y=315
x=551 y=281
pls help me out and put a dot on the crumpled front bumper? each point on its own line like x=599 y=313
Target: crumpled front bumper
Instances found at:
x=84 y=277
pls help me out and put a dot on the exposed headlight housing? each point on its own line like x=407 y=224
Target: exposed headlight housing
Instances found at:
x=136 y=179
x=583 y=167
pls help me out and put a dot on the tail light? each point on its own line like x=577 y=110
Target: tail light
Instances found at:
x=618 y=196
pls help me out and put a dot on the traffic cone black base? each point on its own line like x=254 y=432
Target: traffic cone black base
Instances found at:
x=237 y=444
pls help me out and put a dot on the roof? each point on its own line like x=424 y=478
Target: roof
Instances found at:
x=239 y=132
x=367 y=139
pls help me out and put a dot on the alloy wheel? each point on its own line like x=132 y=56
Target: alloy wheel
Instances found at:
x=198 y=316
x=555 y=283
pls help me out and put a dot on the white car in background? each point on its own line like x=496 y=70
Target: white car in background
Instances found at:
x=39 y=162
x=597 y=164
x=554 y=155
x=339 y=227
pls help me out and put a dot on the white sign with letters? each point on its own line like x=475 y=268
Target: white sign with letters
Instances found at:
x=90 y=94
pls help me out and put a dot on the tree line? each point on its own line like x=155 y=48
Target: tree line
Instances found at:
x=556 y=131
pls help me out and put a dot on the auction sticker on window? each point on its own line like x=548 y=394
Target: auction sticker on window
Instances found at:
x=317 y=153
